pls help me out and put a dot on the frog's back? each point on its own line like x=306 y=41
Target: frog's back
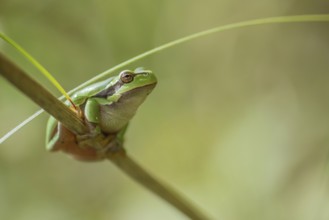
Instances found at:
x=80 y=96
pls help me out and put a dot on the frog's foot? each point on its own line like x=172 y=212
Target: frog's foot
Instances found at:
x=93 y=140
x=103 y=145
x=84 y=140
x=93 y=135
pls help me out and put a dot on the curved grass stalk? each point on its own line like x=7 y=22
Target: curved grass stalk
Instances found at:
x=262 y=21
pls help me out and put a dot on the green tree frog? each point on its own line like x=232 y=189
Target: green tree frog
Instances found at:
x=107 y=108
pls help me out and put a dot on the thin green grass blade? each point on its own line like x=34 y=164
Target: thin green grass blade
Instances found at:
x=18 y=127
x=42 y=69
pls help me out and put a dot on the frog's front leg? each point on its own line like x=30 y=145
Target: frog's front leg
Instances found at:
x=96 y=138
x=91 y=119
x=92 y=116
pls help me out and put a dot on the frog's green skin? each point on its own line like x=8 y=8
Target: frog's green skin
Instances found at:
x=107 y=107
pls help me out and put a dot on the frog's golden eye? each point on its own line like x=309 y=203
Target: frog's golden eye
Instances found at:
x=126 y=76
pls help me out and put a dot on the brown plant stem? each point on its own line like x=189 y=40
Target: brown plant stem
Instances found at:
x=69 y=118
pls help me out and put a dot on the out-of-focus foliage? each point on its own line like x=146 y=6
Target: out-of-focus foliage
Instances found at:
x=238 y=123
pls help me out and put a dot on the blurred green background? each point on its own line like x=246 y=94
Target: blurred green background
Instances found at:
x=238 y=122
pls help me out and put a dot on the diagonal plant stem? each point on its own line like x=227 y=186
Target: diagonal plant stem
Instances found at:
x=136 y=172
x=65 y=115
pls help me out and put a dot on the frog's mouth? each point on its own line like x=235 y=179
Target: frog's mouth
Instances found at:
x=132 y=99
x=140 y=91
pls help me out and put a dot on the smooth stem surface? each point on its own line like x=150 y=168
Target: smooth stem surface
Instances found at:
x=132 y=169
x=40 y=95
x=70 y=120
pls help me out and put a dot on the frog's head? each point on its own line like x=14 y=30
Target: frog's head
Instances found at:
x=133 y=87
x=139 y=81
x=125 y=93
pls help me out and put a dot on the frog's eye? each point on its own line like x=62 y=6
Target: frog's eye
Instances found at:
x=126 y=76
